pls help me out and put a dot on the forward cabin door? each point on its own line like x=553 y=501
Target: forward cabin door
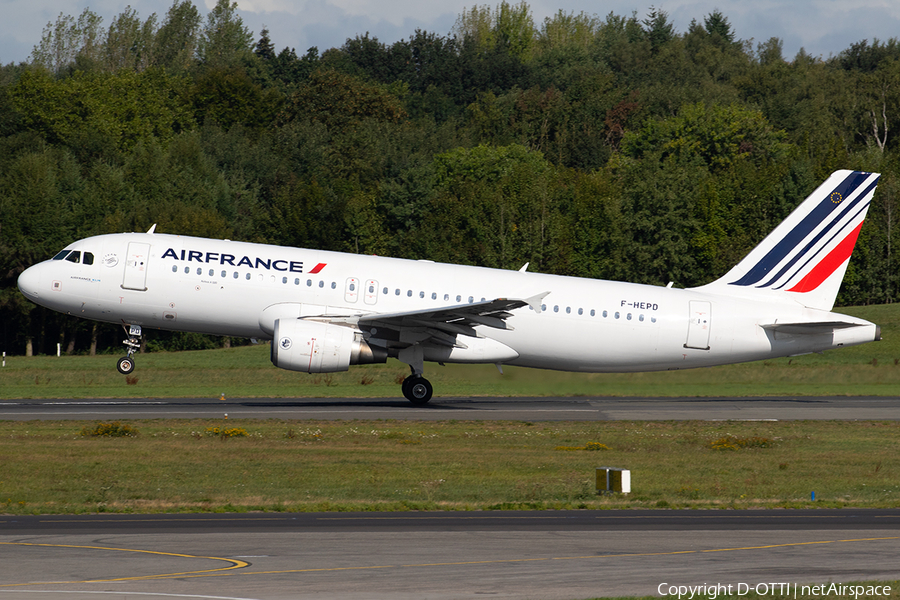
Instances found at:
x=699 y=324
x=135 y=277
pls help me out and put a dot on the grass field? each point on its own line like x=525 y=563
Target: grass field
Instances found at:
x=272 y=465
x=870 y=369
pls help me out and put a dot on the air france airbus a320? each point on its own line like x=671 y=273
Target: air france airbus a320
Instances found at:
x=325 y=311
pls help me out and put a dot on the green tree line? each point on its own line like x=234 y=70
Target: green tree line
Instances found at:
x=610 y=147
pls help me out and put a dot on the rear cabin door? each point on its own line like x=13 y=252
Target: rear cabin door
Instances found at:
x=698 y=326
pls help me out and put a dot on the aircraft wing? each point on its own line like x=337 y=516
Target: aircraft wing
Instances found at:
x=443 y=325
x=440 y=325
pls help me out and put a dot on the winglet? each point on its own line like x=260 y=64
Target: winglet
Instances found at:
x=535 y=301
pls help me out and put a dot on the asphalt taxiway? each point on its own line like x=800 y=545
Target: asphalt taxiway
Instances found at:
x=552 y=555
x=599 y=408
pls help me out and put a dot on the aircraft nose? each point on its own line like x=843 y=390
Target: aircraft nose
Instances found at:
x=29 y=282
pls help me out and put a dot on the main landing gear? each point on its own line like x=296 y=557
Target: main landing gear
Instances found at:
x=125 y=365
x=417 y=389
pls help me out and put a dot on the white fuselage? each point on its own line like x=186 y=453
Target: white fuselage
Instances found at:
x=223 y=287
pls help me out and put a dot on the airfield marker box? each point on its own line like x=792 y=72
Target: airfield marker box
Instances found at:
x=612 y=479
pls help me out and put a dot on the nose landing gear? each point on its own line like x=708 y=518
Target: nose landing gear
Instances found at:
x=125 y=365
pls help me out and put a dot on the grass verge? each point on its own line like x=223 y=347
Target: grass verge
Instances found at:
x=270 y=465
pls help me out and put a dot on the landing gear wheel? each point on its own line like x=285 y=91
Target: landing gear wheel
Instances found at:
x=125 y=365
x=417 y=389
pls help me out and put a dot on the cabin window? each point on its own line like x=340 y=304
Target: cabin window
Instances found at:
x=296 y=281
x=617 y=315
x=284 y=280
x=74 y=256
x=174 y=268
x=224 y=273
x=471 y=299
x=187 y=271
x=568 y=310
x=235 y=274
x=248 y=277
x=61 y=255
x=543 y=307
x=321 y=284
x=309 y=283
x=88 y=258
x=397 y=292
x=199 y=271
x=653 y=319
x=446 y=297
x=580 y=311
x=434 y=295
x=458 y=298
x=628 y=316
x=409 y=293
x=641 y=318
x=556 y=308
x=421 y=294
x=352 y=287
x=333 y=285
x=211 y=273
x=605 y=314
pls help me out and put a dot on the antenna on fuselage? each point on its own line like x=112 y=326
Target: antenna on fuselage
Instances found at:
x=152 y=229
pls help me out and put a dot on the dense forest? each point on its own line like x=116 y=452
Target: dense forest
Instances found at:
x=611 y=147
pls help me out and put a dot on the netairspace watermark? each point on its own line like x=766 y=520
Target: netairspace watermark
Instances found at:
x=793 y=590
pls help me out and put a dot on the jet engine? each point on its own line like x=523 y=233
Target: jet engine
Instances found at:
x=316 y=347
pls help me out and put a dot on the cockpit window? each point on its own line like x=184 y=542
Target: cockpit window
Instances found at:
x=87 y=259
x=74 y=256
x=61 y=255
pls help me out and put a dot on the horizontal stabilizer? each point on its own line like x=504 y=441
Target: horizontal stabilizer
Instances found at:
x=817 y=328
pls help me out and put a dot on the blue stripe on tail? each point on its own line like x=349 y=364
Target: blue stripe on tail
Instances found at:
x=849 y=207
x=821 y=212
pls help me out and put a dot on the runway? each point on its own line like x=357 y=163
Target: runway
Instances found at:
x=779 y=408
x=552 y=555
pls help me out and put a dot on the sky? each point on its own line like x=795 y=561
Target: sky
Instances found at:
x=821 y=27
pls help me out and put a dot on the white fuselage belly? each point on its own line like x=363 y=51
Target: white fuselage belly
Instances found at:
x=223 y=287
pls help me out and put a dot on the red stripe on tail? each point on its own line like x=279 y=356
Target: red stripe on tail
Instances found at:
x=829 y=264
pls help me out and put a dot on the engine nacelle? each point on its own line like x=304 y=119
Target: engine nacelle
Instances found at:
x=315 y=347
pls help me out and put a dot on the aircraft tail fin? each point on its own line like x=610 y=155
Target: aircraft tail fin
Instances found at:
x=806 y=256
